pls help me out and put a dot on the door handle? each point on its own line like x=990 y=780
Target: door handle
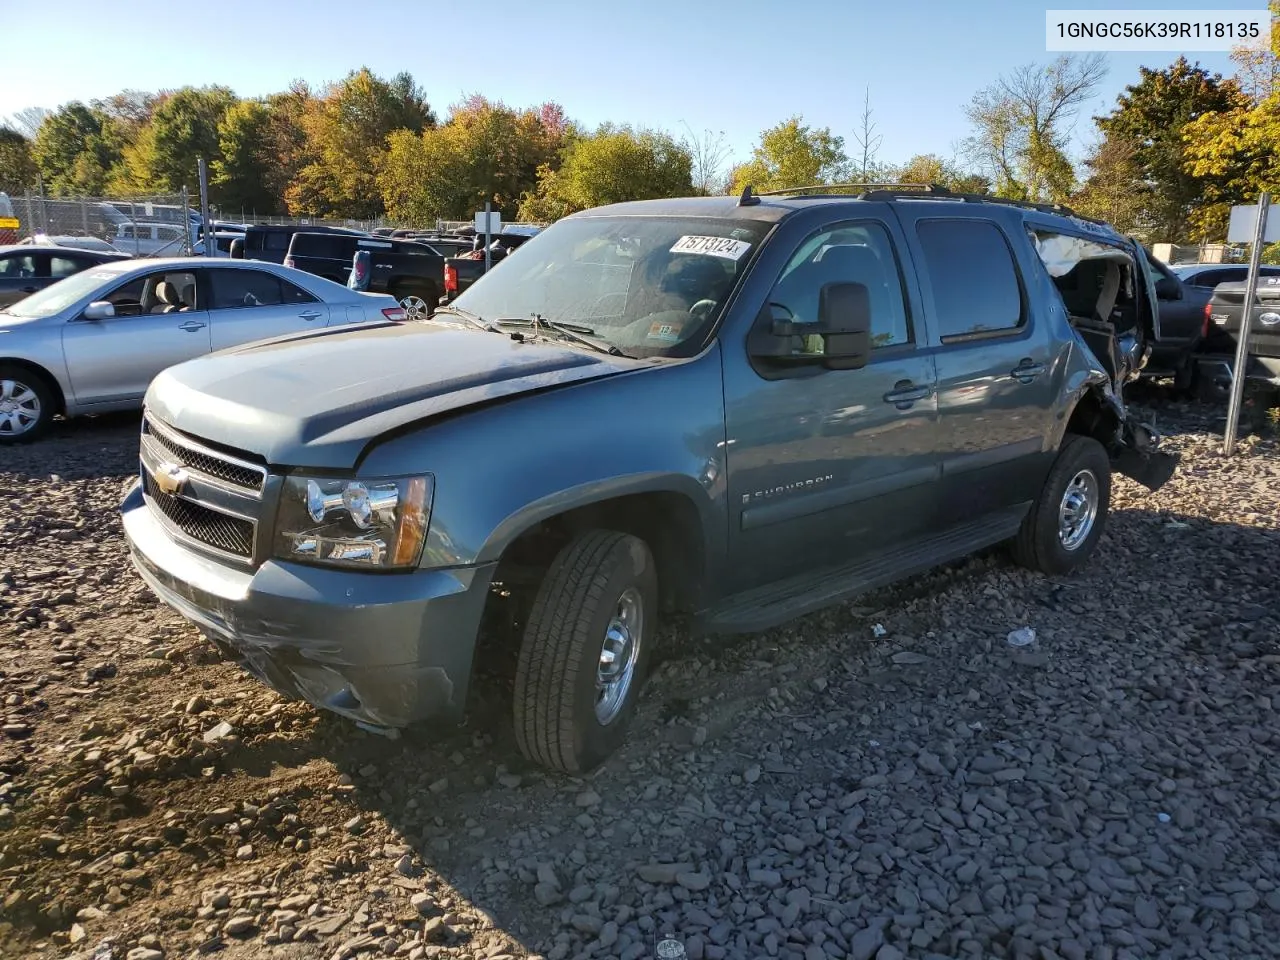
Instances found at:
x=29 y=289
x=1026 y=371
x=309 y=315
x=905 y=393
x=191 y=326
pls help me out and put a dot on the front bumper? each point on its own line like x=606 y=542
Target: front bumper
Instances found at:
x=385 y=650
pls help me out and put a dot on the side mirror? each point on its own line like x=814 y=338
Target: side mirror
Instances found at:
x=840 y=339
x=99 y=310
x=1168 y=289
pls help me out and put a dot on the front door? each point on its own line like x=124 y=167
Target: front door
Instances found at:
x=159 y=321
x=996 y=376
x=248 y=304
x=825 y=465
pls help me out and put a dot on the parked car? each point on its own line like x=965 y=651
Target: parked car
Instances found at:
x=407 y=269
x=92 y=342
x=465 y=268
x=1206 y=276
x=68 y=240
x=270 y=242
x=27 y=268
x=630 y=419
x=1224 y=316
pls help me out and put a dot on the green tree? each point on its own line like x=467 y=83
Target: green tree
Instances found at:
x=792 y=154
x=1150 y=117
x=239 y=175
x=611 y=165
x=75 y=150
x=929 y=168
x=183 y=128
x=348 y=129
x=1021 y=125
x=486 y=151
x=17 y=169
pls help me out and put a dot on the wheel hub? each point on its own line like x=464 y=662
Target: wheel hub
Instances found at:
x=619 y=653
x=1078 y=510
x=19 y=407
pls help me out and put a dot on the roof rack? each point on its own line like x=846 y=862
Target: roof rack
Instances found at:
x=848 y=189
x=942 y=193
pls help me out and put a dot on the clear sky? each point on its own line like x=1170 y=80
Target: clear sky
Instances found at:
x=711 y=64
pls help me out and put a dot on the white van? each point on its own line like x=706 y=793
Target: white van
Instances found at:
x=151 y=239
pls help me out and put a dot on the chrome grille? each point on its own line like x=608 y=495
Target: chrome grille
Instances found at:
x=221 y=531
x=200 y=459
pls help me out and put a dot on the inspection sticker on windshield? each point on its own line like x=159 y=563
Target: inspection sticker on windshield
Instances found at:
x=665 y=332
x=725 y=247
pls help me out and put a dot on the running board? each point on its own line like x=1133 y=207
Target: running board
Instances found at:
x=764 y=607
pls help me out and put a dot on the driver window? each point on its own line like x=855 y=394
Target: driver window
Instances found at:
x=861 y=254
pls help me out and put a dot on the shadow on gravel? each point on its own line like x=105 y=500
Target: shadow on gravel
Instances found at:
x=80 y=448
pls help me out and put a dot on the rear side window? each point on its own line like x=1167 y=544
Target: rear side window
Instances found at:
x=970 y=271
x=321 y=245
x=276 y=240
x=60 y=266
x=233 y=289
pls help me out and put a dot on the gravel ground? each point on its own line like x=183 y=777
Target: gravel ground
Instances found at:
x=818 y=791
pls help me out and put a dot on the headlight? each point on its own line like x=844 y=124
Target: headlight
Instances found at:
x=375 y=523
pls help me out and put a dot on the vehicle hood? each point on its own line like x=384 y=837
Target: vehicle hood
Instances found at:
x=11 y=324
x=319 y=399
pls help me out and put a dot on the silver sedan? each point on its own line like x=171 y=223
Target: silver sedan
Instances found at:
x=92 y=343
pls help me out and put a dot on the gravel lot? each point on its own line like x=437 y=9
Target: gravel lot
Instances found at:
x=813 y=792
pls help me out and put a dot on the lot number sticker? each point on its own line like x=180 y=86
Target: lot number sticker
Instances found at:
x=725 y=247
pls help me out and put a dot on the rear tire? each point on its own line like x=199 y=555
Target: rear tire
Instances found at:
x=27 y=404
x=418 y=302
x=1061 y=531
x=585 y=651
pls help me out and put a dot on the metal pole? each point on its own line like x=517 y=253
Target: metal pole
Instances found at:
x=487 y=240
x=204 y=208
x=186 y=214
x=1246 y=325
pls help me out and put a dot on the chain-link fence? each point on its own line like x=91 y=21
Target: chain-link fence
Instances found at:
x=157 y=226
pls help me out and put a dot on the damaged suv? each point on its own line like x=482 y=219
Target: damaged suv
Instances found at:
x=736 y=409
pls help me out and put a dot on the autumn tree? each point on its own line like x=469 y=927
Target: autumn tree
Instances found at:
x=1148 y=122
x=1235 y=152
x=931 y=169
x=75 y=150
x=867 y=140
x=486 y=151
x=792 y=154
x=1021 y=125
x=183 y=127
x=613 y=164
x=347 y=128
x=17 y=169
x=1115 y=189
x=26 y=121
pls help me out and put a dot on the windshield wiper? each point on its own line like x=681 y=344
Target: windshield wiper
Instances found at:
x=571 y=331
x=470 y=318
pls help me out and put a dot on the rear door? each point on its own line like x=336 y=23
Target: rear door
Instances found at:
x=247 y=304
x=996 y=388
x=114 y=360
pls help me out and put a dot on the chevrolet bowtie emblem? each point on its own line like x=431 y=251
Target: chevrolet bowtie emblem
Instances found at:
x=169 y=477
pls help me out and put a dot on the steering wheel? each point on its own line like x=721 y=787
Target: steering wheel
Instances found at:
x=700 y=309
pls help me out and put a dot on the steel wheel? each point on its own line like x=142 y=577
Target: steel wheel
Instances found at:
x=415 y=308
x=619 y=654
x=19 y=408
x=1078 y=509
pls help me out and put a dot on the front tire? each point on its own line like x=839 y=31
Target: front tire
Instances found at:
x=26 y=405
x=1061 y=531
x=585 y=651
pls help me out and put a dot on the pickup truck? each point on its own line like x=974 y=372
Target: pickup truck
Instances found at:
x=737 y=410
x=1224 y=316
x=408 y=270
x=462 y=270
